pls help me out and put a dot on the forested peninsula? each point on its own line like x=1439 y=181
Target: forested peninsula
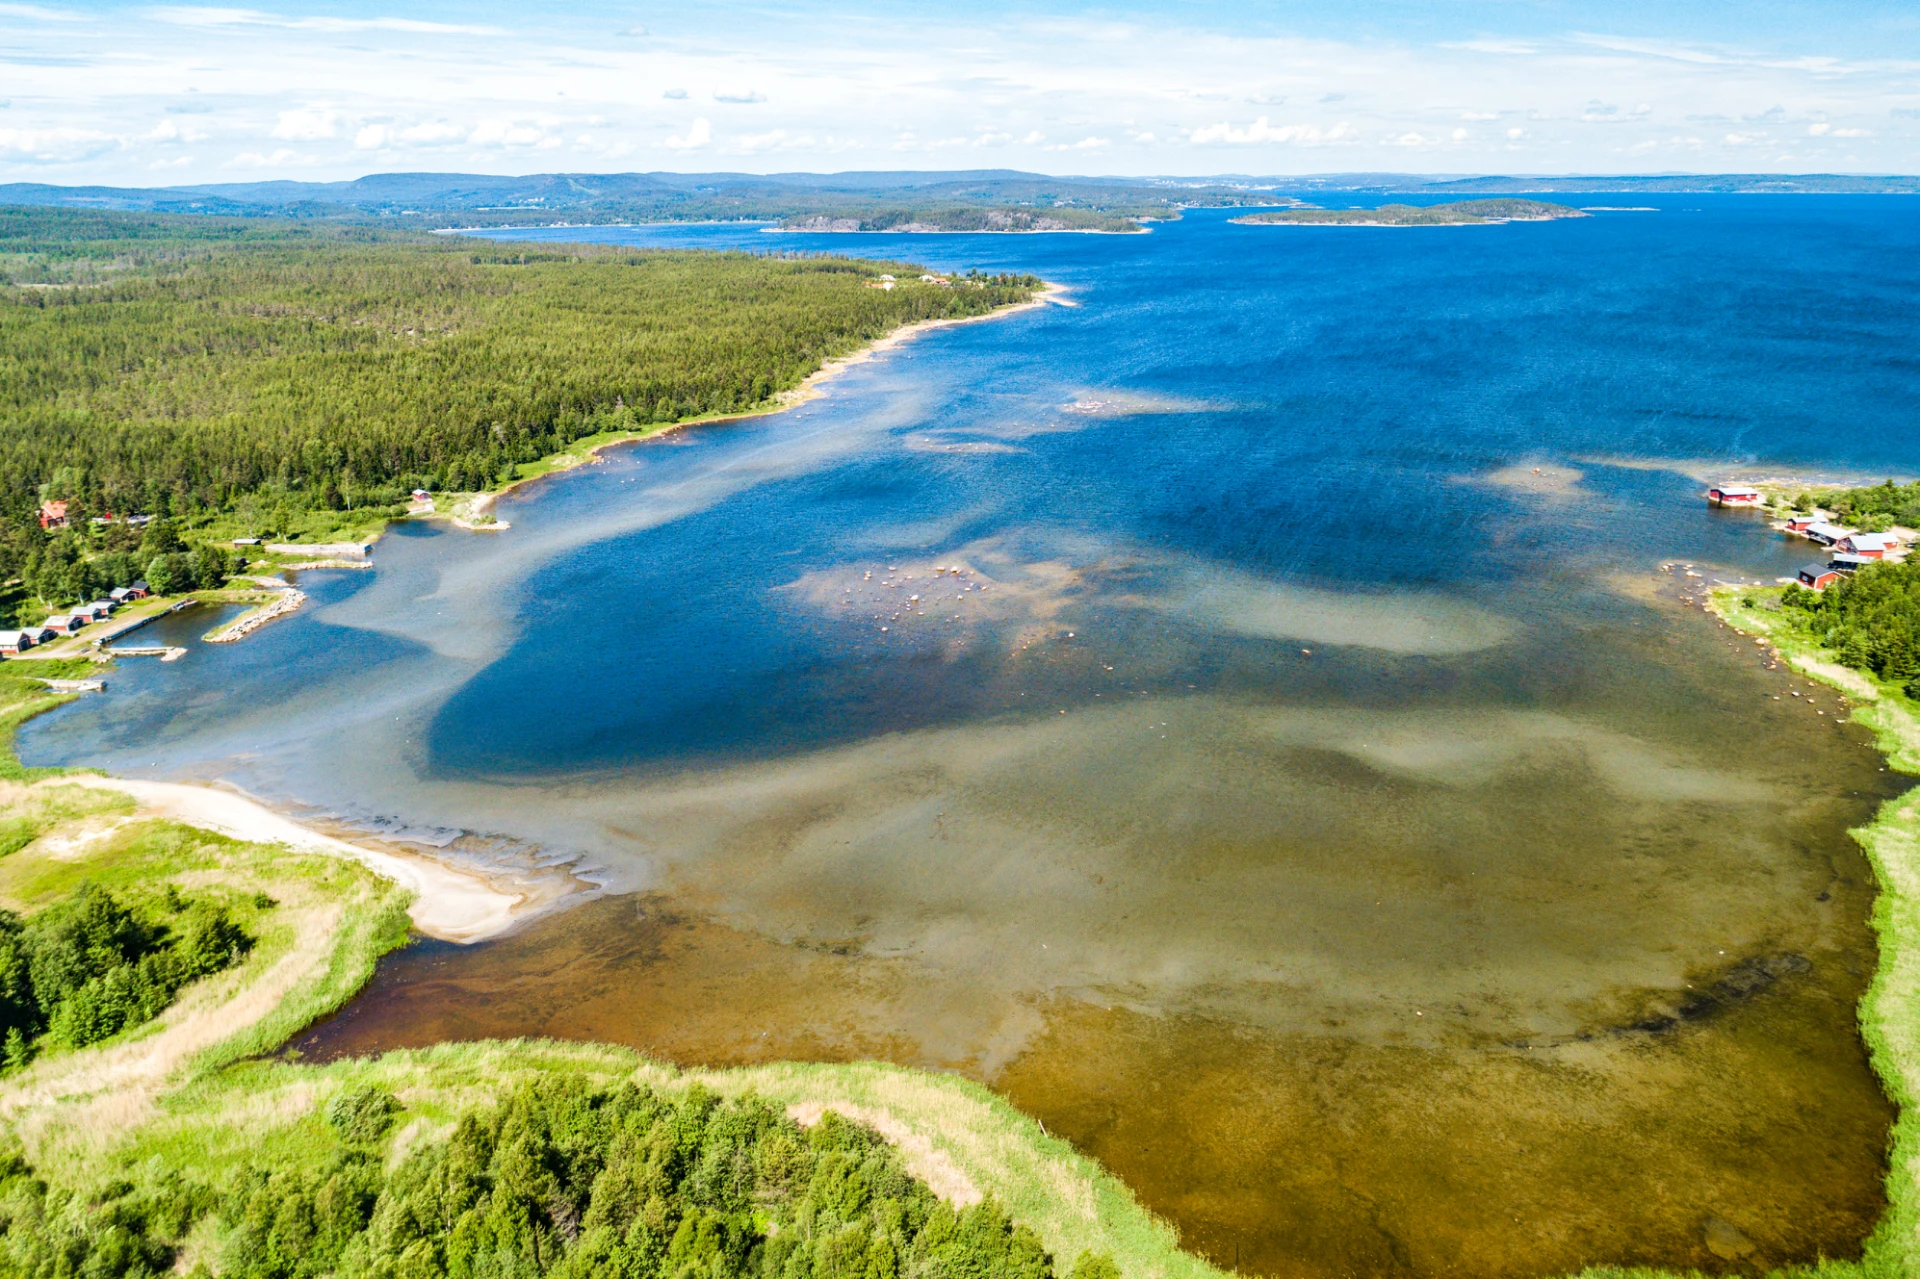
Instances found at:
x=1457 y=213
x=271 y=379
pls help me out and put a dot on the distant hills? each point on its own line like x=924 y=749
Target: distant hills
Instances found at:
x=870 y=200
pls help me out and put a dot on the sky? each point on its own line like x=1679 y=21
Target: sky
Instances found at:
x=153 y=95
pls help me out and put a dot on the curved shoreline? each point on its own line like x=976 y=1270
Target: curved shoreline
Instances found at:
x=449 y=903
x=807 y=390
x=453 y=903
x=1889 y=1012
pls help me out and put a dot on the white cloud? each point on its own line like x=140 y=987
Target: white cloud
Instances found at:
x=511 y=133
x=379 y=88
x=34 y=13
x=55 y=146
x=211 y=16
x=308 y=124
x=279 y=158
x=386 y=136
x=698 y=134
x=1262 y=131
x=1510 y=48
x=753 y=142
x=172 y=131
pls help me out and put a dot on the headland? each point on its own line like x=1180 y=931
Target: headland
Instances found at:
x=1457 y=213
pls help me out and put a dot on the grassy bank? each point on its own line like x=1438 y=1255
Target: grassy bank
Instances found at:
x=1890 y=1011
x=191 y=1099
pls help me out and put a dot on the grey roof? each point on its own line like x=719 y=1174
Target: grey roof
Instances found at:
x=1816 y=570
x=1847 y=559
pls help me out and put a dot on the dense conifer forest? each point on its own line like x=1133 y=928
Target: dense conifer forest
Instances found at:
x=557 y=1179
x=178 y=366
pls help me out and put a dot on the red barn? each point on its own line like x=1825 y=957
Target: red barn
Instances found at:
x=1734 y=495
x=1818 y=577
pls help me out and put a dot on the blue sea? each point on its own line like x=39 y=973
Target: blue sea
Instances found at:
x=1253 y=710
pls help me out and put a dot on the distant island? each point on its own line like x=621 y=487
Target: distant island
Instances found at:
x=966 y=218
x=1459 y=213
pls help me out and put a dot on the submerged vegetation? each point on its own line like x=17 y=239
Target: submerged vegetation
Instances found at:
x=1890 y=1012
x=1457 y=213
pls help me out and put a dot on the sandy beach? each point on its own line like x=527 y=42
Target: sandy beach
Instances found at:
x=450 y=903
x=809 y=388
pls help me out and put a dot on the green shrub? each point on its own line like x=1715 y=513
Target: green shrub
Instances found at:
x=362 y=1115
x=86 y=969
x=16 y=833
x=1095 y=1265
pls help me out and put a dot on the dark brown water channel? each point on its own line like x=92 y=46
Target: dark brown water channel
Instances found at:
x=1511 y=974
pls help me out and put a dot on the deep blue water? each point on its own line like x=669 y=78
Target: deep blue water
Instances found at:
x=1310 y=573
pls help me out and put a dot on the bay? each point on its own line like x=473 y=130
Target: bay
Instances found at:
x=1314 y=793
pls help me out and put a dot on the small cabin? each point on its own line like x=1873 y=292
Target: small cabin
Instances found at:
x=99 y=610
x=15 y=641
x=1734 y=495
x=1818 y=577
x=38 y=634
x=1827 y=534
x=139 y=591
x=119 y=595
x=421 y=495
x=1848 y=562
x=1800 y=523
x=64 y=624
x=1873 y=545
x=53 y=514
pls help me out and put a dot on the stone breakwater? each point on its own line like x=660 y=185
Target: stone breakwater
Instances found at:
x=280 y=605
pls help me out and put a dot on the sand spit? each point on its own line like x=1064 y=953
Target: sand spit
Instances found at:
x=451 y=904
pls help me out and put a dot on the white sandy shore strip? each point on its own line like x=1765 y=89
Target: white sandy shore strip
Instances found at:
x=809 y=389
x=448 y=903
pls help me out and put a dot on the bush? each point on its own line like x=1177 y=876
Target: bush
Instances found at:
x=1095 y=1265
x=362 y=1115
x=88 y=968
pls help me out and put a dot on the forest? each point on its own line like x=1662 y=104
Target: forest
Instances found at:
x=1873 y=508
x=557 y=1178
x=1870 y=619
x=88 y=968
x=181 y=367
